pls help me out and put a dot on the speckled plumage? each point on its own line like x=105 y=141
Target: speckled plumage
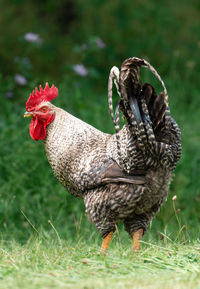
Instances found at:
x=128 y=185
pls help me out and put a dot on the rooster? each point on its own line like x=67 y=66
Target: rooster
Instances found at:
x=122 y=177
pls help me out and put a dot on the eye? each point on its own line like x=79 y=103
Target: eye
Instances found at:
x=43 y=109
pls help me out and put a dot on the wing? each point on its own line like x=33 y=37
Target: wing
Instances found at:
x=107 y=171
x=114 y=174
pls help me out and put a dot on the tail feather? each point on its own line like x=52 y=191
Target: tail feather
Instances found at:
x=131 y=93
x=148 y=118
x=156 y=105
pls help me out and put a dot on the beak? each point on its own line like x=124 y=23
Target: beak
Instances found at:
x=28 y=114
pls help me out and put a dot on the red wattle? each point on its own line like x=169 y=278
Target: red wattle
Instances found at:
x=37 y=129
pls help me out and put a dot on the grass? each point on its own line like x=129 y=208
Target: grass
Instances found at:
x=43 y=263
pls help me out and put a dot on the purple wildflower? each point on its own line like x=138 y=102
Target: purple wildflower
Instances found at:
x=80 y=69
x=9 y=94
x=16 y=59
x=20 y=79
x=25 y=60
x=32 y=37
x=84 y=46
x=100 y=43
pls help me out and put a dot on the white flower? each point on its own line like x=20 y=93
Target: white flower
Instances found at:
x=80 y=69
x=100 y=43
x=32 y=37
x=20 y=79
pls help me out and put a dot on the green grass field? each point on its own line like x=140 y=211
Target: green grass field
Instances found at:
x=44 y=263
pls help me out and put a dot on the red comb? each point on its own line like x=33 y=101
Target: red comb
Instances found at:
x=38 y=96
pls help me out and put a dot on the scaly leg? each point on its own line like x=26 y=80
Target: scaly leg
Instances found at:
x=137 y=237
x=105 y=243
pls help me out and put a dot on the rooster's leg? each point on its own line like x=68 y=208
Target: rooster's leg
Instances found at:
x=105 y=243
x=137 y=237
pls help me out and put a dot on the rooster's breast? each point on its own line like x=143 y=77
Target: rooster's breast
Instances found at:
x=72 y=146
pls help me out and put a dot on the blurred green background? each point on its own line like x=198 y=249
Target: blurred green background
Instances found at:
x=73 y=44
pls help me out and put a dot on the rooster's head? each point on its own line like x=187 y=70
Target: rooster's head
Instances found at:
x=38 y=107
